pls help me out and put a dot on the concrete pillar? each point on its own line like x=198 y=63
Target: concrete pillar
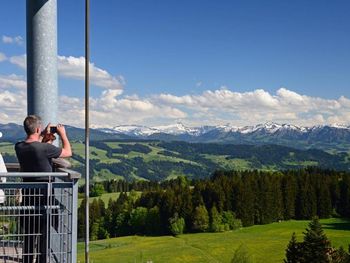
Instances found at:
x=42 y=89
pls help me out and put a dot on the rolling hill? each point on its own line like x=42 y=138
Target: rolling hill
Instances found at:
x=159 y=160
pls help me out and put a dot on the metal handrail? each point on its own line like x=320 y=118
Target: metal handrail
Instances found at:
x=60 y=172
x=39 y=174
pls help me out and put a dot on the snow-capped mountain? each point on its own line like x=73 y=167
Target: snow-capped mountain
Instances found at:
x=320 y=136
x=132 y=130
x=181 y=129
x=172 y=129
x=269 y=132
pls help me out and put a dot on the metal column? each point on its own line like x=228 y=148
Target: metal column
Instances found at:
x=42 y=89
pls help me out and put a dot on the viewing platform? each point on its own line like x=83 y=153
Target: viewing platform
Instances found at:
x=38 y=219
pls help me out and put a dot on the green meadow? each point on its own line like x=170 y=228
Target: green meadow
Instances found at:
x=105 y=197
x=159 y=161
x=266 y=243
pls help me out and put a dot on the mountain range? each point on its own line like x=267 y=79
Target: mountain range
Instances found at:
x=180 y=129
x=321 y=136
x=163 y=152
x=326 y=137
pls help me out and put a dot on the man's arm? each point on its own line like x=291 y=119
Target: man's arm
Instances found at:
x=66 y=148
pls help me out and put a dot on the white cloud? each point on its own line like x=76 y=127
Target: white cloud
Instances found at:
x=12 y=81
x=74 y=68
x=19 y=61
x=106 y=110
x=13 y=106
x=2 y=57
x=258 y=106
x=12 y=40
x=109 y=110
x=211 y=107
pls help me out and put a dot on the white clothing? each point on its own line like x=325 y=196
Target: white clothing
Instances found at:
x=2 y=179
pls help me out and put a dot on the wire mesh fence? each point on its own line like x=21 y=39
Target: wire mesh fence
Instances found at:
x=38 y=220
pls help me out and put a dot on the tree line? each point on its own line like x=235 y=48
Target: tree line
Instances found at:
x=225 y=201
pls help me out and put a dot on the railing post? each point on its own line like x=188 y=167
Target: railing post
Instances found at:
x=74 y=220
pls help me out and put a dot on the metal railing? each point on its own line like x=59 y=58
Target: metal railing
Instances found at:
x=38 y=218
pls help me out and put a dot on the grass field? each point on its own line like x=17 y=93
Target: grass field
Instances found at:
x=168 y=161
x=6 y=147
x=105 y=197
x=266 y=243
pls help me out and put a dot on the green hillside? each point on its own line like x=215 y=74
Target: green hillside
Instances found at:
x=155 y=160
x=266 y=243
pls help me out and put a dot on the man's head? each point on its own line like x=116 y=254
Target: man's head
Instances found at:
x=32 y=124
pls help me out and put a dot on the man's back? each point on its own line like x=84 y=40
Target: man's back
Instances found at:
x=36 y=156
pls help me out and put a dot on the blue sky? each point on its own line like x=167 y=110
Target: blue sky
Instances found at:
x=185 y=59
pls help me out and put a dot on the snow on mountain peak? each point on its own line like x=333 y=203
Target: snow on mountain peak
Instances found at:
x=176 y=129
x=181 y=129
x=138 y=130
x=339 y=126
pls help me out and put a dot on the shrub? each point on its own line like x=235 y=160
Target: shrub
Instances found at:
x=177 y=225
x=241 y=255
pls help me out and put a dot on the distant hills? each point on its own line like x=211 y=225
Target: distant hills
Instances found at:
x=12 y=132
x=159 y=153
x=325 y=137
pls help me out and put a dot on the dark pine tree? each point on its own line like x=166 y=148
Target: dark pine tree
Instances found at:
x=324 y=201
x=344 y=201
x=294 y=251
x=289 y=189
x=317 y=247
x=245 y=201
x=306 y=202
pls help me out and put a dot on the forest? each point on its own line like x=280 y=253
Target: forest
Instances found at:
x=225 y=201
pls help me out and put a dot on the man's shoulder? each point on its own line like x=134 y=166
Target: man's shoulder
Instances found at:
x=34 y=145
x=19 y=144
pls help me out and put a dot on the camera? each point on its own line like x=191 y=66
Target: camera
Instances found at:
x=53 y=129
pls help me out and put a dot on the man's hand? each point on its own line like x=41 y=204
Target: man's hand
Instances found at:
x=45 y=132
x=61 y=131
x=66 y=148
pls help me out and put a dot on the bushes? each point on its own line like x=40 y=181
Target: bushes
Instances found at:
x=229 y=218
x=97 y=190
x=223 y=222
x=241 y=255
x=177 y=225
x=200 y=219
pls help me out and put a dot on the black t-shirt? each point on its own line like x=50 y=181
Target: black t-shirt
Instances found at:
x=36 y=157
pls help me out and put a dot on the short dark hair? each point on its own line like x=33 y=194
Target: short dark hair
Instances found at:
x=31 y=123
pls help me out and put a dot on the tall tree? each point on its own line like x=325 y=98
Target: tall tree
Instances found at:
x=215 y=220
x=200 y=219
x=245 y=201
x=344 y=200
x=289 y=189
x=306 y=203
x=316 y=248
